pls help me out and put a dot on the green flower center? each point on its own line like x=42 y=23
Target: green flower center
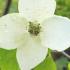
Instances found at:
x=34 y=28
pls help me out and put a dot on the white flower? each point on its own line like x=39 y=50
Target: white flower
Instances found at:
x=34 y=29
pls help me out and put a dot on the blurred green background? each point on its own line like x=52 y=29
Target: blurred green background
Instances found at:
x=63 y=9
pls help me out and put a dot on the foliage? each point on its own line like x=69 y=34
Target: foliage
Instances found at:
x=68 y=66
x=47 y=64
x=8 y=60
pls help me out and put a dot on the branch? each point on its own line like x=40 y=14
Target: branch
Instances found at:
x=8 y=4
x=65 y=54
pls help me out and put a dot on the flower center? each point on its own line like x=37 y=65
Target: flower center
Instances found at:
x=34 y=28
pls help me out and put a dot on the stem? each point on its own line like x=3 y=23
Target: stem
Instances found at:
x=65 y=54
x=8 y=4
x=56 y=55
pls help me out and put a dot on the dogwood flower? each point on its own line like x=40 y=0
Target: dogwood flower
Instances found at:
x=33 y=30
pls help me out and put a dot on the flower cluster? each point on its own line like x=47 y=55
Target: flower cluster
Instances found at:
x=33 y=30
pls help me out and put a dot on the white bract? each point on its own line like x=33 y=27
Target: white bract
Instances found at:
x=33 y=30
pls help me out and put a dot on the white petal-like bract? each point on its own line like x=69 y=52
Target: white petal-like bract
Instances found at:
x=31 y=53
x=37 y=10
x=56 y=33
x=11 y=27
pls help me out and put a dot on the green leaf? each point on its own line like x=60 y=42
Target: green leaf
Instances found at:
x=14 y=6
x=68 y=66
x=62 y=63
x=8 y=60
x=47 y=64
x=2 y=6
